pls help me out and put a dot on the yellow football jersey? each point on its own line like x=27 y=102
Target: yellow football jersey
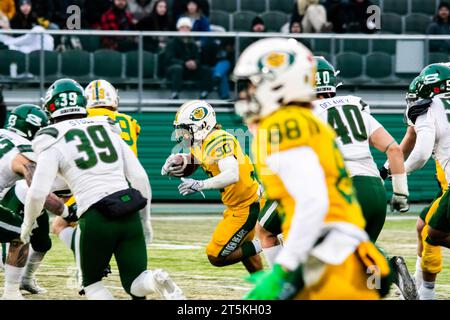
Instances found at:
x=292 y=127
x=220 y=144
x=440 y=175
x=130 y=127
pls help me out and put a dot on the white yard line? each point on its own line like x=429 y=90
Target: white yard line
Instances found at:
x=396 y=218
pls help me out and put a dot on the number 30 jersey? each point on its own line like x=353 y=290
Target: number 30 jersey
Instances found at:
x=88 y=155
x=350 y=118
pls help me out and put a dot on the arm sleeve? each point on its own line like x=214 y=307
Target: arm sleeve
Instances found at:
x=43 y=178
x=373 y=124
x=304 y=179
x=229 y=174
x=426 y=133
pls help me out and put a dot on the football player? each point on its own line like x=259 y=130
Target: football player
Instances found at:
x=428 y=135
x=356 y=131
x=326 y=251
x=17 y=162
x=231 y=171
x=102 y=100
x=110 y=186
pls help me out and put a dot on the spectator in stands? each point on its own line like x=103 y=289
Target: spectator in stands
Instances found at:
x=312 y=15
x=45 y=12
x=223 y=66
x=140 y=9
x=94 y=10
x=183 y=60
x=4 y=21
x=118 y=18
x=179 y=8
x=8 y=7
x=359 y=16
x=158 y=20
x=199 y=21
x=440 y=25
x=2 y=108
x=339 y=15
x=258 y=25
x=295 y=26
x=25 y=18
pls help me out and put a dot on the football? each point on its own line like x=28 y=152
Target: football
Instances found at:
x=186 y=162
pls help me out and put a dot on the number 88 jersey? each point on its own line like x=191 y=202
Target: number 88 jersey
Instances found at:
x=350 y=118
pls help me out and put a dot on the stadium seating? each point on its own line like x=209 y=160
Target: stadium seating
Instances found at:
x=424 y=7
x=391 y=23
x=396 y=6
x=417 y=23
x=50 y=60
x=132 y=65
x=242 y=21
x=281 y=5
x=378 y=65
x=274 y=20
x=7 y=57
x=107 y=64
x=350 y=64
x=253 y=5
x=436 y=57
x=75 y=63
x=356 y=45
x=220 y=18
x=224 y=5
x=387 y=46
x=90 y=43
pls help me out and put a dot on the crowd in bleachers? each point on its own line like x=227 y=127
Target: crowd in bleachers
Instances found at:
x=190 y=58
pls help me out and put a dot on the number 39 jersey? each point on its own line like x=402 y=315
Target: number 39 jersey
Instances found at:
x=89 y=157
x=11 y=144
x=350 y=118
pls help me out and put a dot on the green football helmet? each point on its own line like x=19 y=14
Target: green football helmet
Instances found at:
x=65 y=97
x=26 y=120
x=326 y=81
x=435 y=80
x=413 y=90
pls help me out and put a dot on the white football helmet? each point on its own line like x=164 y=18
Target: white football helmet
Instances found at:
x=194 y=121
x=282 y=70
x=101 y=93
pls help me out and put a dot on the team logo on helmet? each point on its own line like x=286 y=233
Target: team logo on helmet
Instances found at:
x=199 y=114
x=276 y=60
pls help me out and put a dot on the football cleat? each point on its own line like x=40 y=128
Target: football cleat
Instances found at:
x=32 y=287
x=403 y=279
x=165 y=286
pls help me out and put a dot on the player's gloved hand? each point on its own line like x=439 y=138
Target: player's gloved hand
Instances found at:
x=399 y=202
x=189 y=186
x=384 y=172
x=173 y=168
x=268 y=284
x=70 y=215
x=25 y=232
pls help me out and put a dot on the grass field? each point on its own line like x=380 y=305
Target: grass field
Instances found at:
x=179 y=248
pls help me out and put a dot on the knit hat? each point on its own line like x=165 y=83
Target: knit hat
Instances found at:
x=22 y=2
x=184 y=22
x=444 y=4
x=257 y=20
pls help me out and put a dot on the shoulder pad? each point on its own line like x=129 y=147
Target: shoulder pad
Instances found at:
x=418 y=108
x=27 y=151
x=45 y=139
x=51 y=131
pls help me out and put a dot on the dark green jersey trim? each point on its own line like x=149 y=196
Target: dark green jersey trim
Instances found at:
x=49 y=131
x=24 y=148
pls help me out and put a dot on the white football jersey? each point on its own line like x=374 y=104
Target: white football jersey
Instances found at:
x=350 y=117
x=432 y=125
x=11 y=144
x=88 y=155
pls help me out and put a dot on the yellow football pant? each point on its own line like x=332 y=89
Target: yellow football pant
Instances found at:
x=431 y=255
x=347 y=281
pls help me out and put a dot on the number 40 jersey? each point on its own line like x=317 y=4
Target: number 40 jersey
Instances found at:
x=350 y=118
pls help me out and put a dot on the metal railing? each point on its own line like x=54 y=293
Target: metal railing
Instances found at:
x=141 y=100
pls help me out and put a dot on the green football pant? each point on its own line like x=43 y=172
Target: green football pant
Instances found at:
x=97 y=238
x=371 y=196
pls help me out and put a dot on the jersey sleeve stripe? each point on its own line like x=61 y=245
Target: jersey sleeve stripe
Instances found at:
x=217 y=142
x=49 y=131
x=25 y=148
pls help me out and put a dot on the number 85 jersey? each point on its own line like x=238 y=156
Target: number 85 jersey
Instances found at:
x=350 y=118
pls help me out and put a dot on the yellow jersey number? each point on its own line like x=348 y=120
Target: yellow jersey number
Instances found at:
x=126 y=130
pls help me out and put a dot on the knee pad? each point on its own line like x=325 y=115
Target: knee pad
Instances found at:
x=97 y=291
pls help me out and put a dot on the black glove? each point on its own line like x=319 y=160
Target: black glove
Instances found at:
x=72 y=217
x=384 y=173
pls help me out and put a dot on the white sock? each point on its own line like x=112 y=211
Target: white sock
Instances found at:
x=271 y=253
x=418 y=273
x=426 y=291
x=143 y=285
x=12 y=279
x=34 y=261
x=257 y=245
x=97 y=291
x=66 y=236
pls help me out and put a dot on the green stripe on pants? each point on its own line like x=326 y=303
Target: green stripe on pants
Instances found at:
x=371 y=196
x=99 y=237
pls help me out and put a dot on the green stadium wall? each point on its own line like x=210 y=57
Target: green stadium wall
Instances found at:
x=155 y=145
